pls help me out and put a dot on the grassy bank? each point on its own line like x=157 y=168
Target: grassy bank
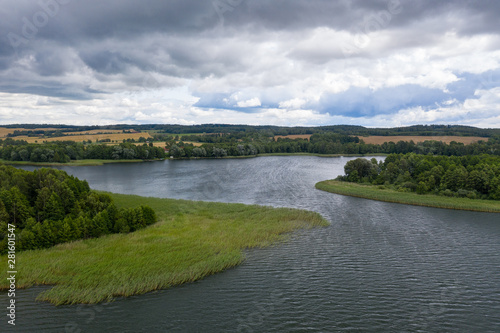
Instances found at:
x=192 y=240
x=71 y=163
x=410 y=198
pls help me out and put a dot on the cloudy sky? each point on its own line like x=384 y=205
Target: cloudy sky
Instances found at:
x=377 y=63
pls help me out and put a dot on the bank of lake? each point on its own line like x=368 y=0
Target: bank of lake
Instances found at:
x=382 y=193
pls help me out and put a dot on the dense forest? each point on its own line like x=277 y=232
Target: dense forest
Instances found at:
x=65 y=151
x=460 y=176
x=48 y=207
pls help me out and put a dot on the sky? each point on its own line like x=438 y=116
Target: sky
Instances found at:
x=379 y=63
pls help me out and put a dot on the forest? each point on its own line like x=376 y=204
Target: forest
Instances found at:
x=66 y=151
x=471 y=176
x=48 y=207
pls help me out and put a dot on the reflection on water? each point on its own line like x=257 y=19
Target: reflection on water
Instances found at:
x=379 y=267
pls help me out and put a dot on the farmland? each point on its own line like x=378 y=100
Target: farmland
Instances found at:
x=293 y=137
x=98 y=131
x=92 y=135
x=5 y=131
x=378 y=139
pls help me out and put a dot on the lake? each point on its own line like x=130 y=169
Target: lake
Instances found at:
x=379 y=267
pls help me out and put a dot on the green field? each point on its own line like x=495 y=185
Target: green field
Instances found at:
x=384 y=194
x=192 y=240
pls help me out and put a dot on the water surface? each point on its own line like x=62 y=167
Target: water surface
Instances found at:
x=379 y=267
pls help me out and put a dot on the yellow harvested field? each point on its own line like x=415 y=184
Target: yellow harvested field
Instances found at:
x=79 y=138
x=155 y=144
x=296 y=136
x=4 y=131
x=98 y=131
x=378 y=140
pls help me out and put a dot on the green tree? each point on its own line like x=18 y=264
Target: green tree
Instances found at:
x=360 y=168
x=54 y=209
x=455 y=178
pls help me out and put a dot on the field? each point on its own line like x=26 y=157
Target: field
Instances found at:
x=378 y=140
x=384 y=194
x=119 y=137
x=93 y=135
x=98 y=131
x=191 y=241
x=162 y=143
x=4 y=131
x=155 y=144
x=295 y=136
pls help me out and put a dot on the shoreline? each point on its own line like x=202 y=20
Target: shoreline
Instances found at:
x=372 y=192
x=90 y=162
x=192 y=240
x=276 y=154
x=95 y=162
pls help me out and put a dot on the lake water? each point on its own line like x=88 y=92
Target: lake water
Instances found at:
x=379 y=267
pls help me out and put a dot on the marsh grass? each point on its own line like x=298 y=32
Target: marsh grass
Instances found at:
x=410 y=198
x=192 y=240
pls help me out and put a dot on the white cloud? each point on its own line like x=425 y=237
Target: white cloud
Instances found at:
x=249 y=103
x=295 y=103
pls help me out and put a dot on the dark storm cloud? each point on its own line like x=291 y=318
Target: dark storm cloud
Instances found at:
x=78 y=23
x=54 y=90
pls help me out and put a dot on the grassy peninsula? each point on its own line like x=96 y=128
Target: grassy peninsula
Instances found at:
x=190 y=241
x=383 y=193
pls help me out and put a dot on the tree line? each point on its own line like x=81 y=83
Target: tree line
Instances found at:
x=65 y=151
x=321 y=143
x=49 y=207
x=472 y=176
x=275 y=130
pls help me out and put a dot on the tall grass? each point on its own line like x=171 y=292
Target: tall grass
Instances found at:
x=389 y=195
x=193 y=240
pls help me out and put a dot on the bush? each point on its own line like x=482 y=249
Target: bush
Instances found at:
x=448 y=193
x=410 y=185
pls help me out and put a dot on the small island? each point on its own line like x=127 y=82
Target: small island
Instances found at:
x=465 y=183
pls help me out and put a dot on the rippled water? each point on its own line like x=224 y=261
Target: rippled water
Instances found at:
x=378 y=267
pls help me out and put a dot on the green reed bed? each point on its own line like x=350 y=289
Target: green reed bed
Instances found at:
x=192 y=240
x=389 y=195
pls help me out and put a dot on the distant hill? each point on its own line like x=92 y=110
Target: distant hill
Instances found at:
x=425 y=130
